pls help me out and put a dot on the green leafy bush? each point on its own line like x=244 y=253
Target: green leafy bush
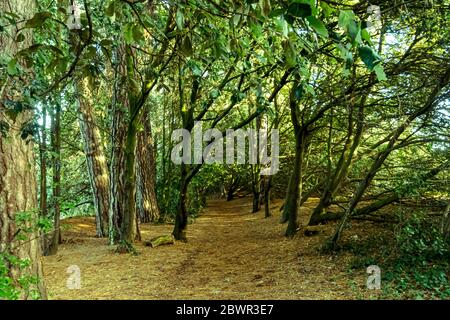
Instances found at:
x=420 y=264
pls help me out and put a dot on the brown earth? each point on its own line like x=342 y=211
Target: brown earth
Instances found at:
x=230 y=254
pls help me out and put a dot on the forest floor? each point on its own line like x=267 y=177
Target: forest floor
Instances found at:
x=230 y=254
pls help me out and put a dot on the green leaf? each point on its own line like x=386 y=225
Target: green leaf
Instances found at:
x=20 y=37
x=366 y=36
x=235 y=20
x=282 y=26
x=354 y=31
x=12 y=68
x=298 y=92
x=214 y=93
x=255 y=28
x=326 y=9
x=318 y=26
x=369 y=57
x=290 y=54
x=179 y=18
x=186 y=46
x=299 y=10
x=195 y=68
x=138 y=35
x=379 y=71
x=4 y=127
x=110 y=9
x=276 y=13
x=128 y=33
x=345 y=17
x=38 y=20
x=54 y=49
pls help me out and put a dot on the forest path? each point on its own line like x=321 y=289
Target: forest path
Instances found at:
x=230 y=254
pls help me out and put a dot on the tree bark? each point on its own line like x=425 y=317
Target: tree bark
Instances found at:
x=445 y=224
x=181 y=219
x=43 y=203
x=128 y=230
x=56 y=183
x=146 y=200
x=268 y=186
x=118 y=136
x=18 y=183
x=290 y=210
x=123 y=170
x=95 y=156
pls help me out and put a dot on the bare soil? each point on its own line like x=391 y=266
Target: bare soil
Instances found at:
x=230 y=254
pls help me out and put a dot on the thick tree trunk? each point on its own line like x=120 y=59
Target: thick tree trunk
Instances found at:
x=146 y=200
x=118 y=138
x=18 y=184
x=123 y=171
x=128 y=230
x=95 y=157
x=18 y=195
x=117 y=181
x=291 y=204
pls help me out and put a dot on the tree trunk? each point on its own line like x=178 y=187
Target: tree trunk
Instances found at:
x=95 y=156
x=56 y=150
x=256 y=169
x=126 y=119
x=267 y=188
x=256 y=200
x=146 y=200
x=445 y=224
x=118 y=136
x=291 y=205
x=128 y=230
x=43 y=203
x=290 y=210
x=18 y=184
x=187 y=114
x=181 y=219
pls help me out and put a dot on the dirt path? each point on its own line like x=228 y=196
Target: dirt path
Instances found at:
x=230 y=254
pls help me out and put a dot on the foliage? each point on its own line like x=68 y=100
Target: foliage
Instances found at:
x=419 y=267
x=13 y=288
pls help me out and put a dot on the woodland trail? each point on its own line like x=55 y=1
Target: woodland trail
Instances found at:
x=230 y=254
